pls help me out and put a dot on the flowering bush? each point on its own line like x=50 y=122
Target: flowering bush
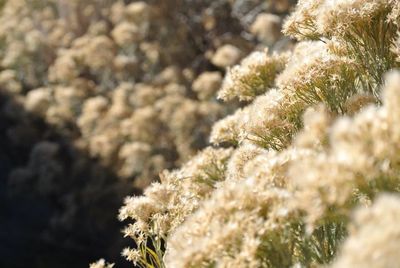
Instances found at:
x=317 y=137
x=298 y=168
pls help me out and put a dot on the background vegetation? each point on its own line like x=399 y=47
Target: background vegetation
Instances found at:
x=96 y=99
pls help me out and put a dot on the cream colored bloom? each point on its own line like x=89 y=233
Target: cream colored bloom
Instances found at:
x=230 y=227
x=242 y=156
x=374 y=238
x=126 y=34
x=230 y=129
x=267 y=28
x=302 y=24
x=361 y=156
x=253 y=76
x=336 y=17
x=316 y=75
x=226 y=56
x=101 y=264
x=273 y=119
x=138 y=12
x=132 y=255
x=207 y=84
x=38 y=100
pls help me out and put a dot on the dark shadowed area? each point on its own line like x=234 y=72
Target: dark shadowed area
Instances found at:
x=65 y=222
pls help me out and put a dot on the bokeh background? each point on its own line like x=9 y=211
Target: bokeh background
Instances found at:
x=96 y=99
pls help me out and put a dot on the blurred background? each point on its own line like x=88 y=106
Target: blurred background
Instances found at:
x=97 y=97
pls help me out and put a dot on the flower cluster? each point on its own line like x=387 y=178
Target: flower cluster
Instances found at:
x=120 y=91
x=318 y=138
x=365 y=29
x=255 y=74
x=164 y=206
x=374 y=236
